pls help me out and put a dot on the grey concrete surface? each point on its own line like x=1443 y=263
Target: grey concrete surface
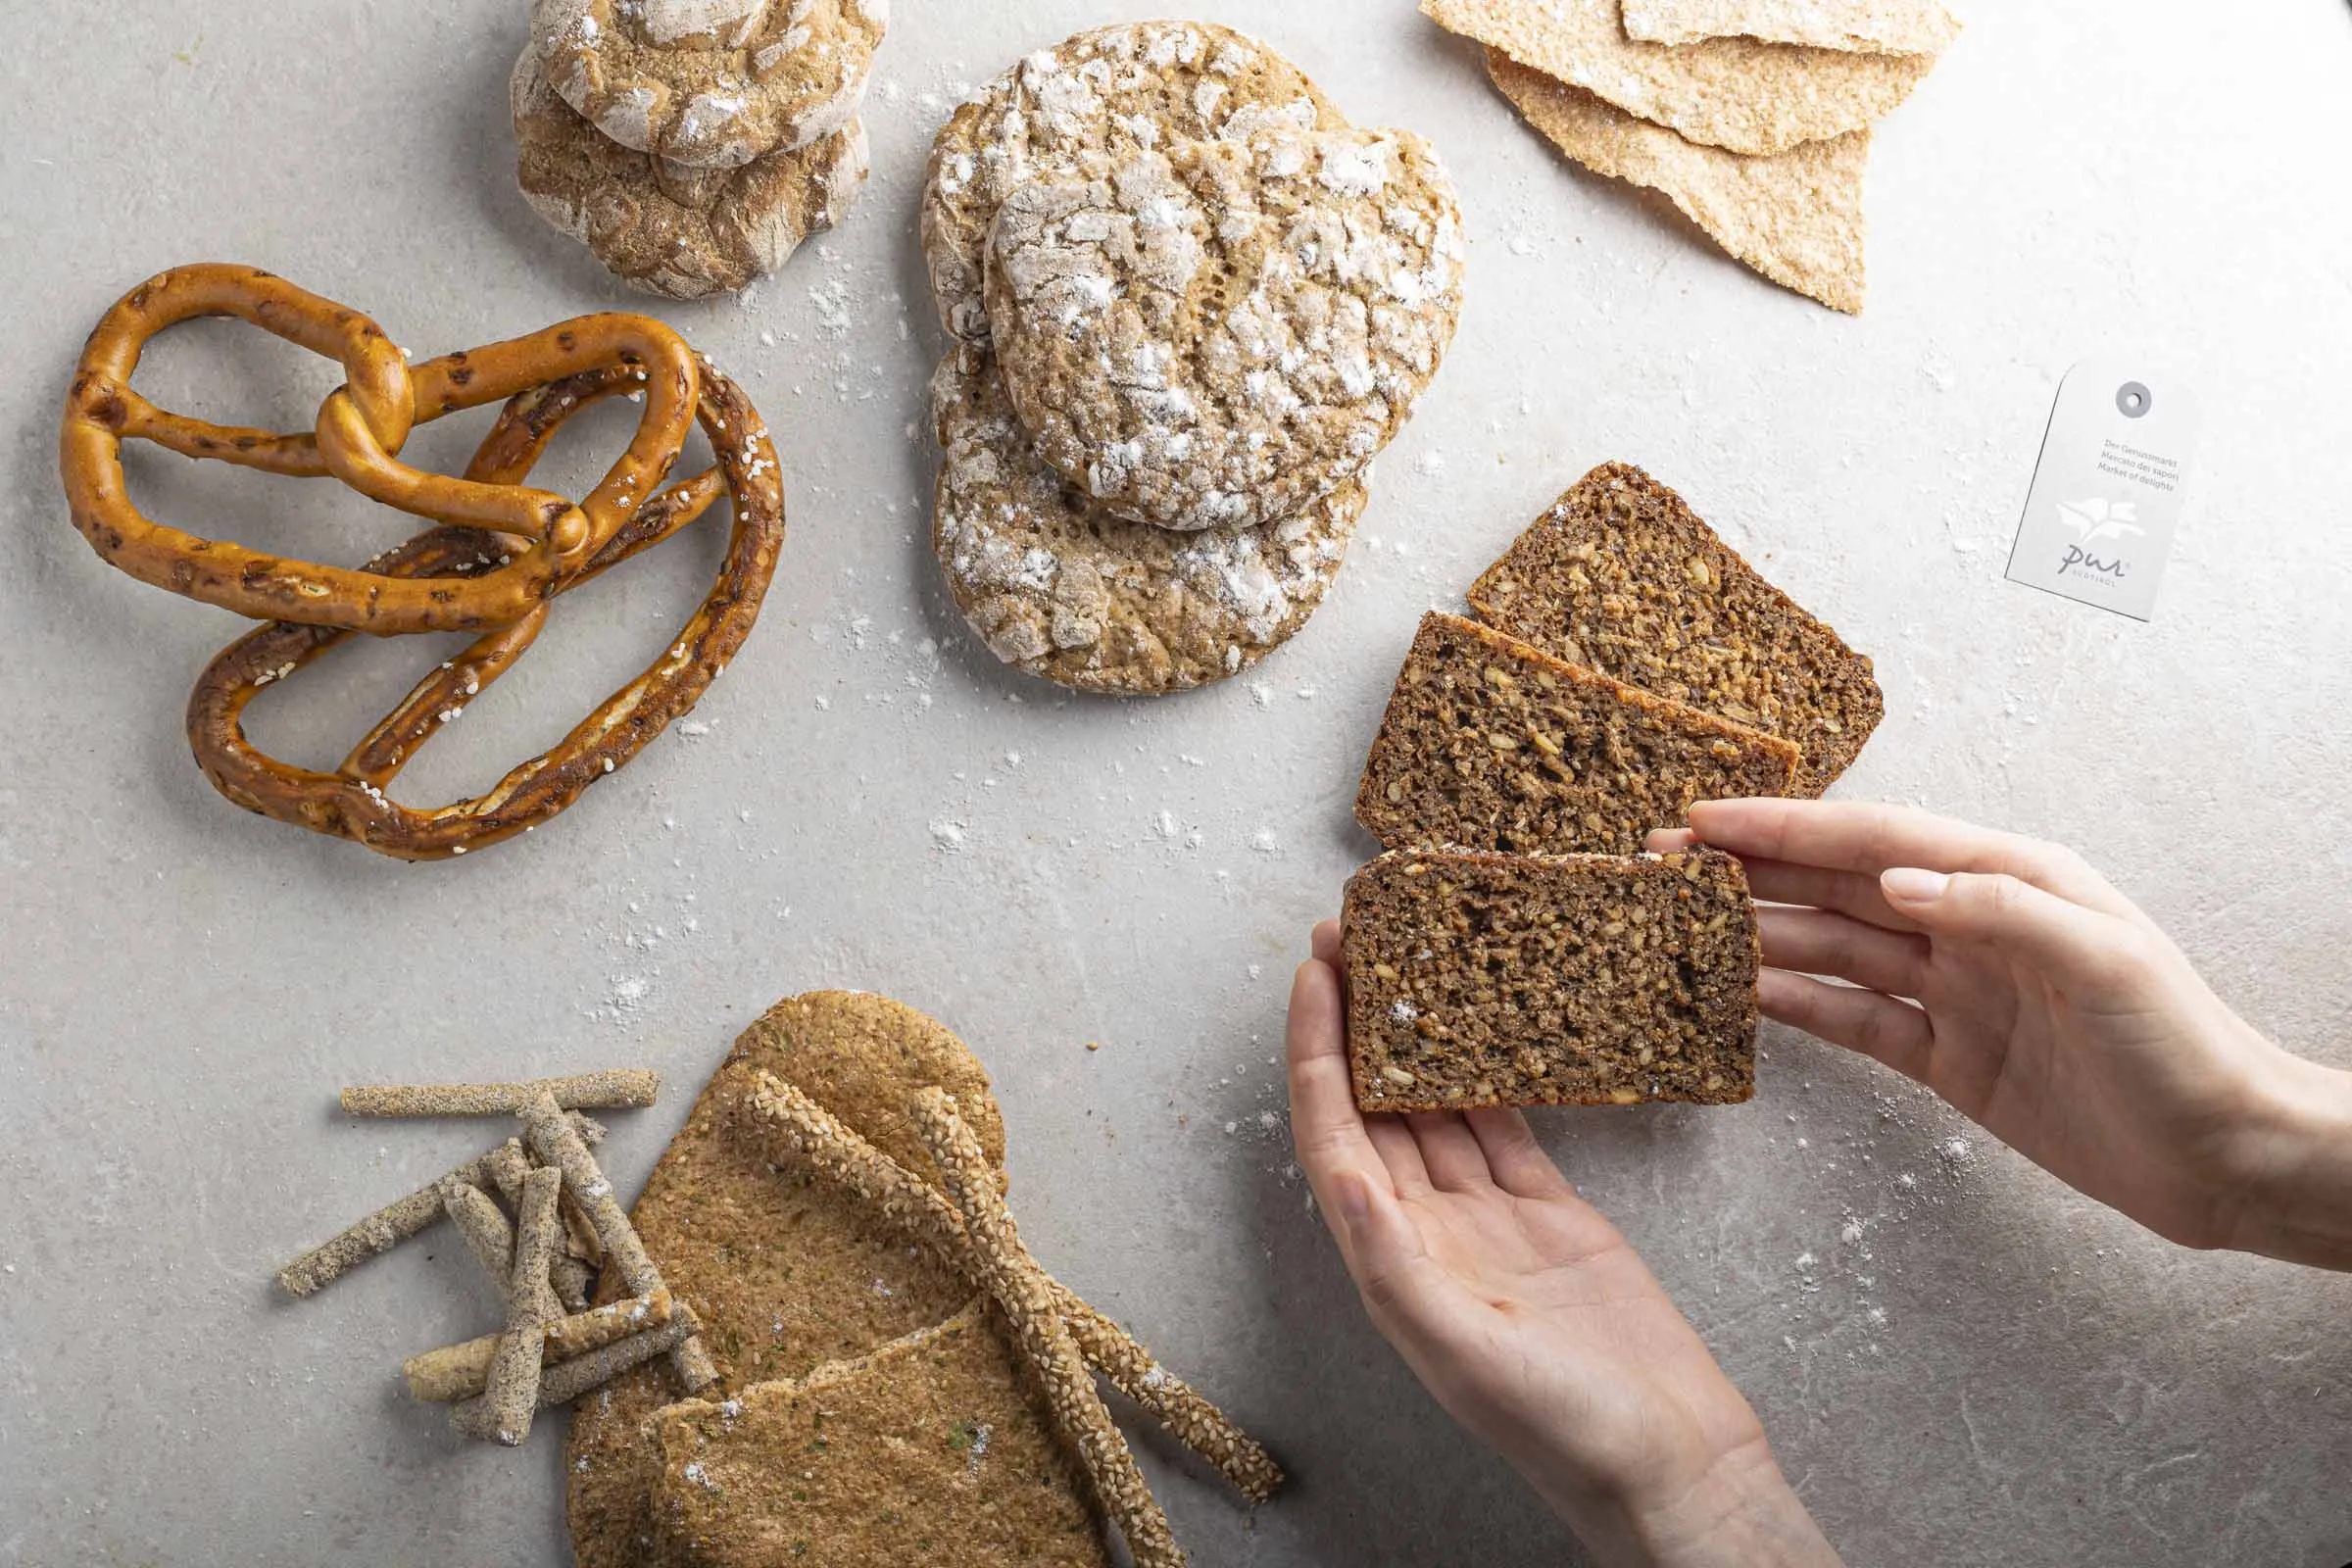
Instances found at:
x=1959 y=1361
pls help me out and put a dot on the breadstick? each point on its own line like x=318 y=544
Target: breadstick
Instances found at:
x=836 y=1151
x=492 y=1240
x=1014 y=1281
x=569 y=1272
x=552 y=1138
x=389 y=1226
x=617 y=1089
x=459 y=1371
x=567 y=1381
x=511 y=1389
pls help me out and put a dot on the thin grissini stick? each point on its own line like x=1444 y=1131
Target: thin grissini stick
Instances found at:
x=553 y=1140
x=571 y=1272
x=492 y=1241
x=391 y=1225
x=511 y=1391
x=567 y=1381
x=1015 y=1282
x=617 y=1089
x=461 y=1371
x=806 y=1129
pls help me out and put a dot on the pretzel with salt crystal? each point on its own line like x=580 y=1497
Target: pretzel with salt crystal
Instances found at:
x=350 y=801
x=360 y=429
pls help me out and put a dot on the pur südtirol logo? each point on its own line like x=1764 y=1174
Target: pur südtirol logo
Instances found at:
x=2094 y=520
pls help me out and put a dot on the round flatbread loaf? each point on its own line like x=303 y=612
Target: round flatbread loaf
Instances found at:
x=1214 y=333
x=664 y=228
x=1066 y=591
x=1105 y=94
x=710 y=83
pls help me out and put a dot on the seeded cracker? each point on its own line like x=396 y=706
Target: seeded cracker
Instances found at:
x=1738 y=93
x=1219 y=332
x=1071 y=594
x=710 y=83
x=1866 y=26
x=933 y=1445
x=664 y=228
x=1490 y=745
x=1622 y=576
x=1506 y=980
x=1796 y=218
x=788 y=1270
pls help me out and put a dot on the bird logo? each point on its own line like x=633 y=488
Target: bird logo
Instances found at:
x=2097 y=519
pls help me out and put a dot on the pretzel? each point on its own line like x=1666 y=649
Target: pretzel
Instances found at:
x=351 y=802
x=360 y=429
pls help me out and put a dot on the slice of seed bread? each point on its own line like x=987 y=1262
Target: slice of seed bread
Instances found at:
x=1481 y=979
x=1489 y=744
x=1622 y=575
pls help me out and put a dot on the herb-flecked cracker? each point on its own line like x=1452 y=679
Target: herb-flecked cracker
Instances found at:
x=1796 y=218
x=1738 y=93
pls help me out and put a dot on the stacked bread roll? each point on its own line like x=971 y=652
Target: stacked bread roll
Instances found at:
x=693 y=144
x=1188 y=304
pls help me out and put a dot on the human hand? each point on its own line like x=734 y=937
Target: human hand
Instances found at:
x=2012 y=979
x=1529 y=1318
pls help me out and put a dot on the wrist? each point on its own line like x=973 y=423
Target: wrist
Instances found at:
x=1740 y=1513
x=2291 y=1179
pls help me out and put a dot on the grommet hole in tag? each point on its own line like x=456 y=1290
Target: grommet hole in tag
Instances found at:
x=2108 y=489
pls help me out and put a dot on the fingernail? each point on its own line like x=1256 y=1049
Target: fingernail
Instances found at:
x=1905 y=885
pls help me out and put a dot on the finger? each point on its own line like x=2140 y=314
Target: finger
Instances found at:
x=1669 y=840
x=1861 y=836
x=1450 y=1153
x=2091 y=953
x=1387 y=1255
x=1819 y=942
x=1849 y=892
x=1325 y=942
x=1326 y=1129
x=1880 y=1027
x=1521 y=1167
x=1400 y=1156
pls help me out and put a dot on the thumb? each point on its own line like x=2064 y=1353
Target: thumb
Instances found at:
x=2074 y=946
x=1385 y=1252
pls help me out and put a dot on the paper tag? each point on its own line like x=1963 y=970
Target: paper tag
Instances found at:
x=2107 y=491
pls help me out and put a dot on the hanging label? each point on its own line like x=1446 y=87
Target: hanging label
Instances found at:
x=2108 y=489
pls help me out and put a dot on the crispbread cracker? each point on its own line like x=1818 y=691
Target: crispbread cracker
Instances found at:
x=933 y=1449
x=1796 y=218
x=1751 y=97
x=1622 y=575
x=1863 y=27
x=786 y=1271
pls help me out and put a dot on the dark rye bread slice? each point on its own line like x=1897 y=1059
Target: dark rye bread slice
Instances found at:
x=1489 y=744
x=1507 y=980
x=1621 y=575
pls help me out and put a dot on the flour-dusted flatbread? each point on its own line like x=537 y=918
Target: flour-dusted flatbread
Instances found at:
x=1217 y=333
x=662 y=227
x=1796 y=218
x=1738 y=93
x=1863 y=27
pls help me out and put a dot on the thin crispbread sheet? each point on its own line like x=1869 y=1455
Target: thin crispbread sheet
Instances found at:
x=1859 y=26
x=1737 y=93
x=1796 y=219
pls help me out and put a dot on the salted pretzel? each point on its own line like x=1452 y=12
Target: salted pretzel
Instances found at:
x=360 y=430
x=350 y=801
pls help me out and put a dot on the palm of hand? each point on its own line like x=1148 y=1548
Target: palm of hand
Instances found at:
x=1549 y=1329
